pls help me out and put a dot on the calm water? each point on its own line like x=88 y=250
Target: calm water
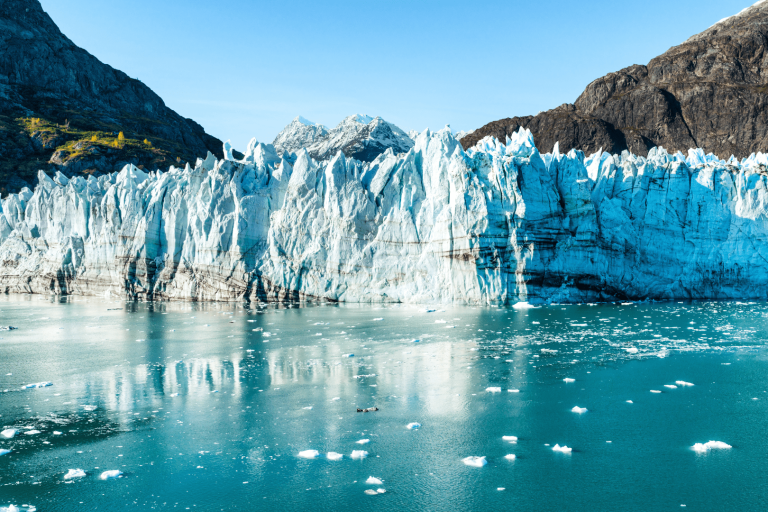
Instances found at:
x=207 y=406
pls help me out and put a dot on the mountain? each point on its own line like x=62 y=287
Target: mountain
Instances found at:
x=357 y=136
x=63 y=109
x=494 y=224
x=709 y=92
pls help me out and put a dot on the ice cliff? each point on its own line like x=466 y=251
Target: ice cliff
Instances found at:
x=493 y=224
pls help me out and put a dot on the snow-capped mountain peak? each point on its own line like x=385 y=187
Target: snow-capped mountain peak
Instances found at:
x=300 y=133
x=304 y=121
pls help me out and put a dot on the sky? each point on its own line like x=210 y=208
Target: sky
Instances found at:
x=246 y=68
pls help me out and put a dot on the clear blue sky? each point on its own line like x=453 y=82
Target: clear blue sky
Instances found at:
x=245 y=68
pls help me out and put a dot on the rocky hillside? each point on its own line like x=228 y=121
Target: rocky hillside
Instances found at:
x=709 y=92
x=63 y=109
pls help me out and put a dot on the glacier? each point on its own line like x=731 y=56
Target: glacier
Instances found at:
x=499 y=223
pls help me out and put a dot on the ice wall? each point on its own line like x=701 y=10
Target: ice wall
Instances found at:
x=498 y=223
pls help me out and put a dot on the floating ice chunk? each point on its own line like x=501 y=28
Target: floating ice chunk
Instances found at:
x=413 y=426
x=475 y=461
x=683 y=383
x=380 y=490
x=174 y=395
x=110 y=475
x=415 y=341
x=335 y=399
x=561 y=449
x=632 y=350
x=334 y=456
x=348 y=355
x=74 y=473
x=630 y=402
x=9 y=433
x=307 y=408
x=578 y=325
x=309 y=454
x=359 y=454
x=711 y=445
x=31 y=432
x=627 y=303
x=378 y=319
x=523 y=305
x=493 y=390
x=500 y=488
x=90 y=408
x=569 y=380
x=439 y=321
x=363 y=441
x=511 y=439
x=3 y=451
x=371 y=492
x=56 y=433
x=37 y=385
x=372 y=480
x=511 y=456
x=670 y=386
x=513 y=390
x=580 y=410
x=655 y=391
x=7 y=328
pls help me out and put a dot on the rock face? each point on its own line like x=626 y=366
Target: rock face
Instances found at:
x=498 y=223
x=709 y=92
x=53 y=92
x=357 y=136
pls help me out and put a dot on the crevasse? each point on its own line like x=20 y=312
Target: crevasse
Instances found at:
x=497 y=223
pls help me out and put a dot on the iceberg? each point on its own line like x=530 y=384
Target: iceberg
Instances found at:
x=569 y=380
x=711 y=445
x=498 y=223
x=413 y=426
x=372 y=480
x=3 y=451
x=475 y=461
x=511 y=456
x=511 y=439
x=75 y=473
x=493 y=390
x=309 y=454
x=9 y=433
x=363 y=441
x=579 y=410
x=334 y=456
x=111 y=474
x=358 y=454
x=682 y=383
x=561 y=449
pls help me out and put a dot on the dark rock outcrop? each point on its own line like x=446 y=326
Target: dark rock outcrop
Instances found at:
x=52 y=93
x=709 y=92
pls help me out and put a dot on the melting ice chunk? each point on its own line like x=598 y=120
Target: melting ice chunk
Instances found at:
x=523 y=305
x=561 y=449
x=631 y=350
x=683 y=383
x=363 y=441
x=567 y=379
x=493 y=390
x=3 y=451
x=309 y=454
x=711 y=445
x=110 y=475
x=74 y=473
x=32 y=432
x=630 y=402
x=378 y=319
x=37 y=385
x=413 y=426
x=511 y=456
x=655 y=391
x=372 y=480
x=359 y=454
x=579 y=410
x=513 y=390
x=348 y=355
x=670 y=386
x=371 y=492
x=90 y=408
x=334 y=456
x=9 y=433
x=511 y=439
x=475 y=461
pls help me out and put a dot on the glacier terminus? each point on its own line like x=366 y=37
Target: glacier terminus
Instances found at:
x=498 y=223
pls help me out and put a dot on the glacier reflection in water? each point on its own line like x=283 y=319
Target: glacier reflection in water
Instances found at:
x=207 y=406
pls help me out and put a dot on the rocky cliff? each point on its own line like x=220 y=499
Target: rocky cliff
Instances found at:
x=709 y=92
x=63 y=109
x=495 y=224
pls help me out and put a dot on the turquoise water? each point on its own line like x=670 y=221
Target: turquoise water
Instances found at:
x=207 y=406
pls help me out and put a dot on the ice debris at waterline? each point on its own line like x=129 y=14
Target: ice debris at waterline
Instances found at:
x=475 y=461
x=711 y=445
x=497 y=223
x=37 y=385
x=7 y=327
x=75 y=473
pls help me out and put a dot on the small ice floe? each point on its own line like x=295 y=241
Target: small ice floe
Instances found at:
x=711 y=445
x=429 y=310
x=74 y=473
x=511 y=439
x=670 y=386
x=372 y=492
x=363 y=441
x=174 y=395
x=415 y=341
x=56 y=433
x=334 y=456
x=567 y=379
x=511 y=456
x=348 y=355
x=32 y=432
x=90 y=408
x=9 y=433
x=475 y=461
x=683 y=383
x=561 y=449
x=630 y=402
x=335 y=399
x=579 y=410
x=655 y=391
x=627 y=303
x=500 y=488
x=513 y=390
x=111 y=474
x=37 y=385
x=413 y=426
x=578 y=325
x=493 y=390
x=7 y=328
x=358 y=454
x=378 y=319
x=3 y=451
x=307 y=408
x=309 y=454
x=523 y=305
x=372 y=480
x=632 y=350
